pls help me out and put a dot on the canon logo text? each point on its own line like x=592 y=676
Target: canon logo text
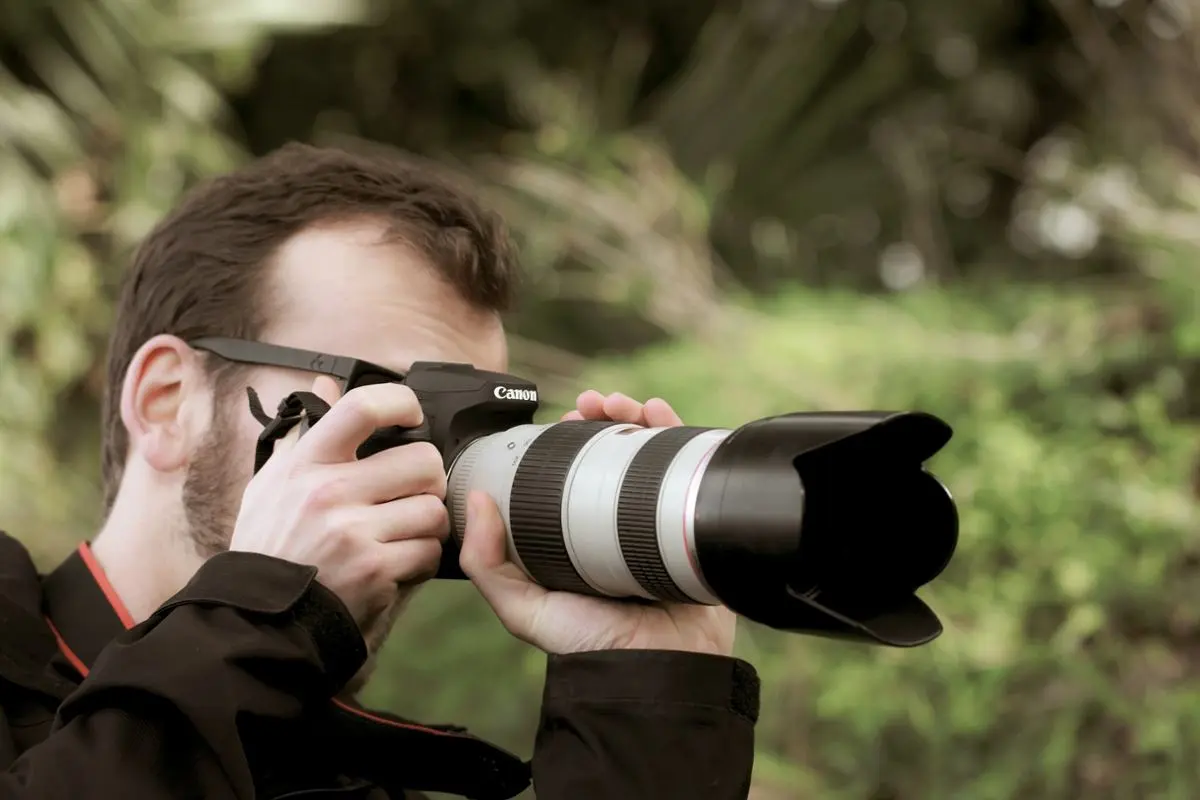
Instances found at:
x=505 y=393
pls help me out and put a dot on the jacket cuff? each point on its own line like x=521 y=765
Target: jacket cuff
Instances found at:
x=654 y=677
x=281 y=590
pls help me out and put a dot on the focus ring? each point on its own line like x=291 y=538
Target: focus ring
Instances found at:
x=637 y=512
x=535 y=505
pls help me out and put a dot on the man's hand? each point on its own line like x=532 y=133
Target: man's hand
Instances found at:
x=368 y=526
x=562 y=622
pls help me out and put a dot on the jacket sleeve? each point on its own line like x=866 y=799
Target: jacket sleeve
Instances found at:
x=646 y=724
x=235 y=656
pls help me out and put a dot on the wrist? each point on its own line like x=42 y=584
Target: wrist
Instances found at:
x=707 y=631
x=673 y=642
x=676 y=645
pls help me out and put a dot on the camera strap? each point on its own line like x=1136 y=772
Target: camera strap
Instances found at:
x=298 y=408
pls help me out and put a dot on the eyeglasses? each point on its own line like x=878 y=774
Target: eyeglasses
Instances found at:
x=353 y=372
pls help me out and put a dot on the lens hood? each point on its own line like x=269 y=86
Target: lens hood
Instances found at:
x=828 y=523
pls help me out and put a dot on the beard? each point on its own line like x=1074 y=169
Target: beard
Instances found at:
x=212 y=498
x=212 y=489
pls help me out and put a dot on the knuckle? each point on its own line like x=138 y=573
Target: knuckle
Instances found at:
x=385 y=404
x=373 y=578
x=433 y=472
x=408 y=405
x=432 y=515
x=338 y=529
x=325 y=494
x=427 y=453
x=375 y=572
x=412 y=560
x=355 y=404
x=438 y=485
x=428 y=558
x=394 y=394
x=401 y=393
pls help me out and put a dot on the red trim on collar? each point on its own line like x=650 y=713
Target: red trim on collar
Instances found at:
x=110 y=594
x=82 y=608
x=106 y=588
x=67 y=653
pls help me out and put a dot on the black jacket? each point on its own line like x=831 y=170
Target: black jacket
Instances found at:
x=225 y=693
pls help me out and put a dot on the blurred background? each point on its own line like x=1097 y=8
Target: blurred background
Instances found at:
x=989 y=210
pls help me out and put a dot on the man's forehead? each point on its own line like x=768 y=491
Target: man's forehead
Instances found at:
x=337 y=260
x=350 y=289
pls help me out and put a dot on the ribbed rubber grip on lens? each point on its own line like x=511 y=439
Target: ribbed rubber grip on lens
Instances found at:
x=457 y=486
x=535 y=505
x=637 y=512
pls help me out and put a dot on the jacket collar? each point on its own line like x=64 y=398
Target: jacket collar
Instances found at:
x=85 y=613
x=82 y=609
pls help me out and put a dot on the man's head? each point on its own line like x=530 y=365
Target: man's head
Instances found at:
x=312 y=248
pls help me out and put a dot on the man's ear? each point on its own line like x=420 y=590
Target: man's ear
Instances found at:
x=166 y=403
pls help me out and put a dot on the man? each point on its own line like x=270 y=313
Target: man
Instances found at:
x=208 y=641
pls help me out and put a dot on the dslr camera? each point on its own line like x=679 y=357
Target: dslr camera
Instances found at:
x=816 y=523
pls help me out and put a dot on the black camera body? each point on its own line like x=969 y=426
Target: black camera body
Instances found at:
x=460 y=404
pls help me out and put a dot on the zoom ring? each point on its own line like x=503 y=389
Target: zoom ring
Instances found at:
x=637 y=513
x=535 y=505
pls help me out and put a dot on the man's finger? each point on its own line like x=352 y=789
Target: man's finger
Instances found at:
x=622 y=408
x=590 y=405
x=571 y=416
x=484 y=559
x=659 y=414
x=422 y=516
x=403 y=471
x=357 y=415
x=412 y=560
x=485 y=542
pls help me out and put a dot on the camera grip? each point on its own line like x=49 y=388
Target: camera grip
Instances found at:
x=394 y=436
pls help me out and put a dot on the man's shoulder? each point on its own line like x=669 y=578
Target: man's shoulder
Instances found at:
x=19 y=579
x=26 y=641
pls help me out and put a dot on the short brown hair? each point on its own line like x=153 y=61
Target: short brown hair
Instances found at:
x=201 y=271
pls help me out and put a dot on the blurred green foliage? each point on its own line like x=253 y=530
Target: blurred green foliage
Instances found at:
x=985 y=210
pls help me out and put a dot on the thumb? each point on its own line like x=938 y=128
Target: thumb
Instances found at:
x=485 y=543
x=484 y=559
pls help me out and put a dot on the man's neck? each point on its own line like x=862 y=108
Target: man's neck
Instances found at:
x=145 y=566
